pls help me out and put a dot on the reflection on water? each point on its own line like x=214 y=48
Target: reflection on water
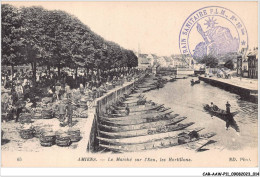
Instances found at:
x=188 y=100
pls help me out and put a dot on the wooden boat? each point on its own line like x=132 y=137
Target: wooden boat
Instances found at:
x=133 y=95
x=134 y=102
x=123 y=113
x=144 y=132
x=147 y=85
x=134 y=121
x=172 y=79
x=195 y=82
x=199 y=145
x=223 y=115
x=169 y=78
x=147 y=138
x=138 y=117
x=184 y=77
x=139 y=108
x=219 y=112
x=121 y=128
x=134 y=98
x=143 y=90
x=157 y=144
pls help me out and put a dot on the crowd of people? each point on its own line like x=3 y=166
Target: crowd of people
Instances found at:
x=20 y=93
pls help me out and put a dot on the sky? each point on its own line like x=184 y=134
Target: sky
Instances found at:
x=154 y=26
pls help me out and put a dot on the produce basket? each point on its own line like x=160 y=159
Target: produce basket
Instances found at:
x=38 y=132
x=47 y=139
x=63 y=141
x=25 y=118
x=74 y=135
x=46 y=144
x=27 y=133
x=47 y=114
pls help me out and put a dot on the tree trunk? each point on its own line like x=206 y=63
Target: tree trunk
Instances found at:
x=98 y=74
x=87 y=70
x=33 y=64
x=34 y=71
x=49 y=69
x=59 y=71
x=76 y=73
x=12 y=72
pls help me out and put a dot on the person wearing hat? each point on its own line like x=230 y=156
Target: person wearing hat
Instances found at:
x=211 y=105
x=69 y=109
x=19 y=107
x=62 y=111
x=228 y=107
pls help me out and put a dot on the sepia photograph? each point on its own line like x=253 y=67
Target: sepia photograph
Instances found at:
x=129 y=84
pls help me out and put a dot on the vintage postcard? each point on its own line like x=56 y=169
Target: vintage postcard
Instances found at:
x=129 y=84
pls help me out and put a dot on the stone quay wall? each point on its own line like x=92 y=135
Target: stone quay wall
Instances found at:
x=99 y=106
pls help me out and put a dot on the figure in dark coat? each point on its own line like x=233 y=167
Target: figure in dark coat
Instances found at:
x=228 y=107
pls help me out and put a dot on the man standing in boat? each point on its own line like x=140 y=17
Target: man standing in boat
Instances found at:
x=212 y=105
x=127 y=110
x=229 y=116
x=228 y=107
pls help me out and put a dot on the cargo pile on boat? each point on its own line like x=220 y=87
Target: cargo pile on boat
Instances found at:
x=135 y=124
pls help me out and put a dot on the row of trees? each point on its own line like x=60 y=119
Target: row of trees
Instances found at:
x=40 y=37
x=213 y=62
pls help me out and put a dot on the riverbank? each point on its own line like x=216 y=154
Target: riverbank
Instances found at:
x=246 y=88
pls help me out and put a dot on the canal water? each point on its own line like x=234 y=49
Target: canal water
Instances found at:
x=188 y=101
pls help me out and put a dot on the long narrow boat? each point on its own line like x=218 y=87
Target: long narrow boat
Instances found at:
x=148 y=138
x=148 y=85
x=223 y=115
x=134 y=103
x=121 y=128
x=140 y=116
x=123 y=113
x=144 y=132
x=138 y=108
x=133 y=99
x=143 y=90
x=200 y=144
x=134 y=121
x=138 y=111
x=133 y=95
x=218 y=112
x=137 y=117
x=157 y=144
x=194 y=82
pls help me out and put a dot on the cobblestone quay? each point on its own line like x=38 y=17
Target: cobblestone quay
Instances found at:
x=245 y=88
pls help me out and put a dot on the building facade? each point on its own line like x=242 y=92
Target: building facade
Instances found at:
x=242 y=66
x=253 y=64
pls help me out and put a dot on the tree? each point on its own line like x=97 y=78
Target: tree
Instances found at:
x=229 y=64
x=132 y=59
x=210 y=61
x=12 y=41
x=33 y=23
